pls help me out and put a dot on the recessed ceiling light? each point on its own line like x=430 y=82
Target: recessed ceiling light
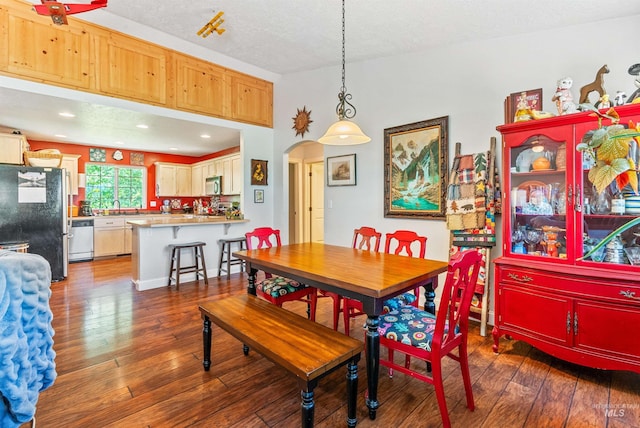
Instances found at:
x=173 y=148
x=120 y=143
x=205 y=136
x=142 y=126
x=60 y=136
x=66 y=114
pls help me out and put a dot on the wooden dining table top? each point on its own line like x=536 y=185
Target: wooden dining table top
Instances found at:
x=348 y=271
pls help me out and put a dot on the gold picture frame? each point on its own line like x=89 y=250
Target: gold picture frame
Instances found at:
x=415 y=169
x=259 y=172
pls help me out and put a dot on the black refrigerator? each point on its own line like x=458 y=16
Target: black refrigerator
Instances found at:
x=33 y=210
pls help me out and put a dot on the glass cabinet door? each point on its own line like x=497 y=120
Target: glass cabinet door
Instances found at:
x=607 y=207
x=539 y=200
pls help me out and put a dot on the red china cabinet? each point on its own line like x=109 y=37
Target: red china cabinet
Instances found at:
x=550 y=292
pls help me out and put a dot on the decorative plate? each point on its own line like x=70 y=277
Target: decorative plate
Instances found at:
x=524 y=159
x=117 y=155
x=97 y=155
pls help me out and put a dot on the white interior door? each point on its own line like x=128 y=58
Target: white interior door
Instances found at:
x=316 y=207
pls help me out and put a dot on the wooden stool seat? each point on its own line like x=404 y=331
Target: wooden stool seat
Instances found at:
x=226 y=259
x=199 y=266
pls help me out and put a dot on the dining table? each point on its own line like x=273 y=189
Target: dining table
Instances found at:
x=370 y=277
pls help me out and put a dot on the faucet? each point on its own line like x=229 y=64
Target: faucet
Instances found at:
x=118 y=203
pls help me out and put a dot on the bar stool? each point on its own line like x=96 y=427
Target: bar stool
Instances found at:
x=199 y=266
x=225 y=250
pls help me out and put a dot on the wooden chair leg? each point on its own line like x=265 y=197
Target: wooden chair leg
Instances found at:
x=311 y=306
x=439 y=387
x=466 y=377
x=336 y=311
x=346 y=316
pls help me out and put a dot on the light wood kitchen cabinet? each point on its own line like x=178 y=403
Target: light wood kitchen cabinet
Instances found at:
x=197 y=180
x=35 y=49
x=200 y=86
x=230 y=168
x=236 y=175
x=108 y=236
x=131 y=69
x=70 y=164
x=251 y=99
x=165 y=179
x=183 y=180
x=95 y=59
x=173 y=179
x=12 y=147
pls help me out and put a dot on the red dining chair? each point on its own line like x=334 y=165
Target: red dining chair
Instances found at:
x=399 y=242
x=277 y=289
x=364 y=238
x=417 y=333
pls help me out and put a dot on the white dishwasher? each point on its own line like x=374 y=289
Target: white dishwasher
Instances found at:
x=81 y=240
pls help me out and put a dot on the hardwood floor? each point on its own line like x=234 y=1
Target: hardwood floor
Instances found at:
x=133 y=359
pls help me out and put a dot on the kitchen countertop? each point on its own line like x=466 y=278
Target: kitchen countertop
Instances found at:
x=183 y=220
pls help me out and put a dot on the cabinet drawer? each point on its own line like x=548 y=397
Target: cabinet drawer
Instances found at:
x=108 y=222
x=598 y=288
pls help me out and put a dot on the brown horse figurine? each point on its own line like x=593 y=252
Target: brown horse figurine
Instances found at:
x=597 y=85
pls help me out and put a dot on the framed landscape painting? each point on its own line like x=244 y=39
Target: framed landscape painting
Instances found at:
x=415 y=169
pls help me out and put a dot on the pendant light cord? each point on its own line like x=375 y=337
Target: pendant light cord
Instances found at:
x=345 y=109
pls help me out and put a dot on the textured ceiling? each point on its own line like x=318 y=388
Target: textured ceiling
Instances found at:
x=278 y=36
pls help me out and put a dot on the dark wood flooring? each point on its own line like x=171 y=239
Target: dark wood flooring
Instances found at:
x=133 y=359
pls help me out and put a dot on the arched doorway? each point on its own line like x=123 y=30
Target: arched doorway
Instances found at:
x=306 y=192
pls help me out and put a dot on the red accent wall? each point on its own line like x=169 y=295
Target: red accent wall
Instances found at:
x=149 y=159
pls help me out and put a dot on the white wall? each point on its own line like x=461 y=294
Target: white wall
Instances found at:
x=467 y=82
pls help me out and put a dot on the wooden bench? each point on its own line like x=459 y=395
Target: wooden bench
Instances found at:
x=304 y=348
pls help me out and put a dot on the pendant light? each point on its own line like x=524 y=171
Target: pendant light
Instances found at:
x=344 y=132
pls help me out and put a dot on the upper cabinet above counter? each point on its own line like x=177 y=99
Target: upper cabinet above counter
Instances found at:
x=174 y=179
x=109 y=63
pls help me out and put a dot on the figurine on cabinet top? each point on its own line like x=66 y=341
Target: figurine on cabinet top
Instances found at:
x=620 y=98
x=596 y=86
x=563 y=97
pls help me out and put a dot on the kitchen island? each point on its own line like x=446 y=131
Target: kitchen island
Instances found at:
x=150 y=254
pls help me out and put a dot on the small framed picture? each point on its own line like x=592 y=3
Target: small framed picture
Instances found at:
x=258 y=196
x=341 y=170
x=523 y=101
x=259 y=172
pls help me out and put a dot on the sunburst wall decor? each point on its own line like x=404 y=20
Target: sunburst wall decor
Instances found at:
x=301 y=121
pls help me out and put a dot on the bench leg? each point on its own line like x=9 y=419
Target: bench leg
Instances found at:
x=352 y=391
x=206 y=343
x=308 y=405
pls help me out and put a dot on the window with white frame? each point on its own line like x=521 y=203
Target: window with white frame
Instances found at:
x=107 y=183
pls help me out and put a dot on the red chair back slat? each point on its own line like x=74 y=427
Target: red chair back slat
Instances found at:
x=266 y=238
x=362 y=239
x=401 y=242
